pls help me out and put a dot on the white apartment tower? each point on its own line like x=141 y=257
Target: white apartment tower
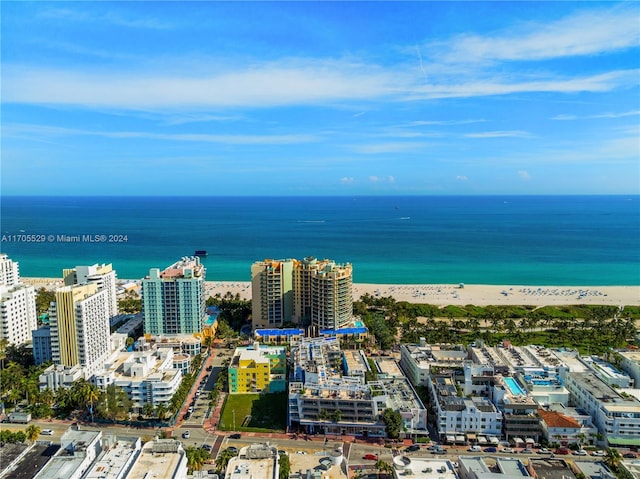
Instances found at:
x=80 y=327
x=9 y=271
x=104 y=276
x=18 y=316
x=272 y=290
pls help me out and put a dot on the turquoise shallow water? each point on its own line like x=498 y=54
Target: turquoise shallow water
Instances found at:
x=559 y=240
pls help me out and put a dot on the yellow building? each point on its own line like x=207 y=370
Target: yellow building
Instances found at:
x=258 y=369
x=80 y=327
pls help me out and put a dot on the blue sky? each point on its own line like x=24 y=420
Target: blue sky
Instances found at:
x=332 y=98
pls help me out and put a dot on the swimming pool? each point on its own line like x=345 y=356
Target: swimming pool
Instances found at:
x=513 y=387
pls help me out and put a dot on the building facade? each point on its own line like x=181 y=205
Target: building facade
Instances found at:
x=41 y=338
x=18 y=316
x=80 y=334
x=9 y=271
x=104 y=276
x=258 y=368
x=307 y=292
x=173 y=300
x=272 y=292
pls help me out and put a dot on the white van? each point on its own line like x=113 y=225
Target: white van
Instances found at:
x=475 y=449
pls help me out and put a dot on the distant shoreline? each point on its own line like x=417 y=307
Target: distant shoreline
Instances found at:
x=448 y=294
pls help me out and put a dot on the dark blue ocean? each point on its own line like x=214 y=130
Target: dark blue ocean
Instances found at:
x=532 y=240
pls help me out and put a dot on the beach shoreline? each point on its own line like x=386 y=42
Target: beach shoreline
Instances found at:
x=446 y=294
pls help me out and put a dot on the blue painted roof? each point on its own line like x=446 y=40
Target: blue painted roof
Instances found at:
x=279 y=332
x=344 y=331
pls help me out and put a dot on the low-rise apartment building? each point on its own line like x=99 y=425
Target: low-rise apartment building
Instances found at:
x=146 y=376
x=258 y=369
x=617 y=417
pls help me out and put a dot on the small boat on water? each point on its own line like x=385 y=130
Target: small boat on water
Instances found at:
x=201 y=252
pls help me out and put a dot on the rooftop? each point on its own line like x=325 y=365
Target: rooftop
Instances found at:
x=423 y=468
x=113 y=462
x=557 y=419
x=159 y=458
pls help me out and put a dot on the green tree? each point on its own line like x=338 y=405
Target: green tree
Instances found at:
x=223 y=459
x=383 y=466
x=336 y=415
x=32 y=432
x=285 y=467
x=612 y=458
x=148 y=409
x=393 y=422
x=196 y=457
x=161 y=411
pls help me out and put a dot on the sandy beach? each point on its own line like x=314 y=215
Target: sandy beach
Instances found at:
x=447 y=294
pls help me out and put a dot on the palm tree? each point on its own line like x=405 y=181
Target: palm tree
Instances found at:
x=223 y=459
x=89 y=393
x=32 y=432
x=383 y=466
x=147 y=409
x=612 y=458
x=161 y=411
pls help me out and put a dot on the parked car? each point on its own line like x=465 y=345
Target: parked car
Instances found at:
x=206 y=447
x=235 y=436
x=282 y=452
x=186 y=435
x=46 y=432
x=300 y=452
x=439 y=451
x=370 y=457
x=580 y=452
x=544 y=450
x=413 y=447
x=629 y=455
x=598 y=453
x=526 y=450
x=562 y=451
x=506 y=450
x=490 y=449
x=232 y=450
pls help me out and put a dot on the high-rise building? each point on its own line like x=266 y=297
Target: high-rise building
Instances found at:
x=321 y=292
x=9 y=271
x=272 y=290
x=18 y=315
x=79 y=320
x=104 y=276
x=173 y=300
x=332 y=305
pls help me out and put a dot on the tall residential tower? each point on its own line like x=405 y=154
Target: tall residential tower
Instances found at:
x=272 y=292
x=80 y=327
x=173 y=300
x=18 y=315
x=104 y=276
x=308 y=292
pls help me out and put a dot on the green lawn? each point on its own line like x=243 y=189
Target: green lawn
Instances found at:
x=255 y=412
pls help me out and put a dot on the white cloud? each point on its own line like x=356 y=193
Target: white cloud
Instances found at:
x=498 y=134
x=598 y=116
x=585 y=33
x=382 y=179
x=524 y=175
x=28 y=130
x=391 y=147
x=346 y=180
x=461 y=178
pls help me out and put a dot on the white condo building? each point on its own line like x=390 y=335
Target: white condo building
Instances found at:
x=146 y=376
x=80 y=332
x=9 y=271
x=18 y=316
x=617 y=417
x=104 y=276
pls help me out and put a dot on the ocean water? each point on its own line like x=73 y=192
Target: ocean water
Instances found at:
x=531 y=240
